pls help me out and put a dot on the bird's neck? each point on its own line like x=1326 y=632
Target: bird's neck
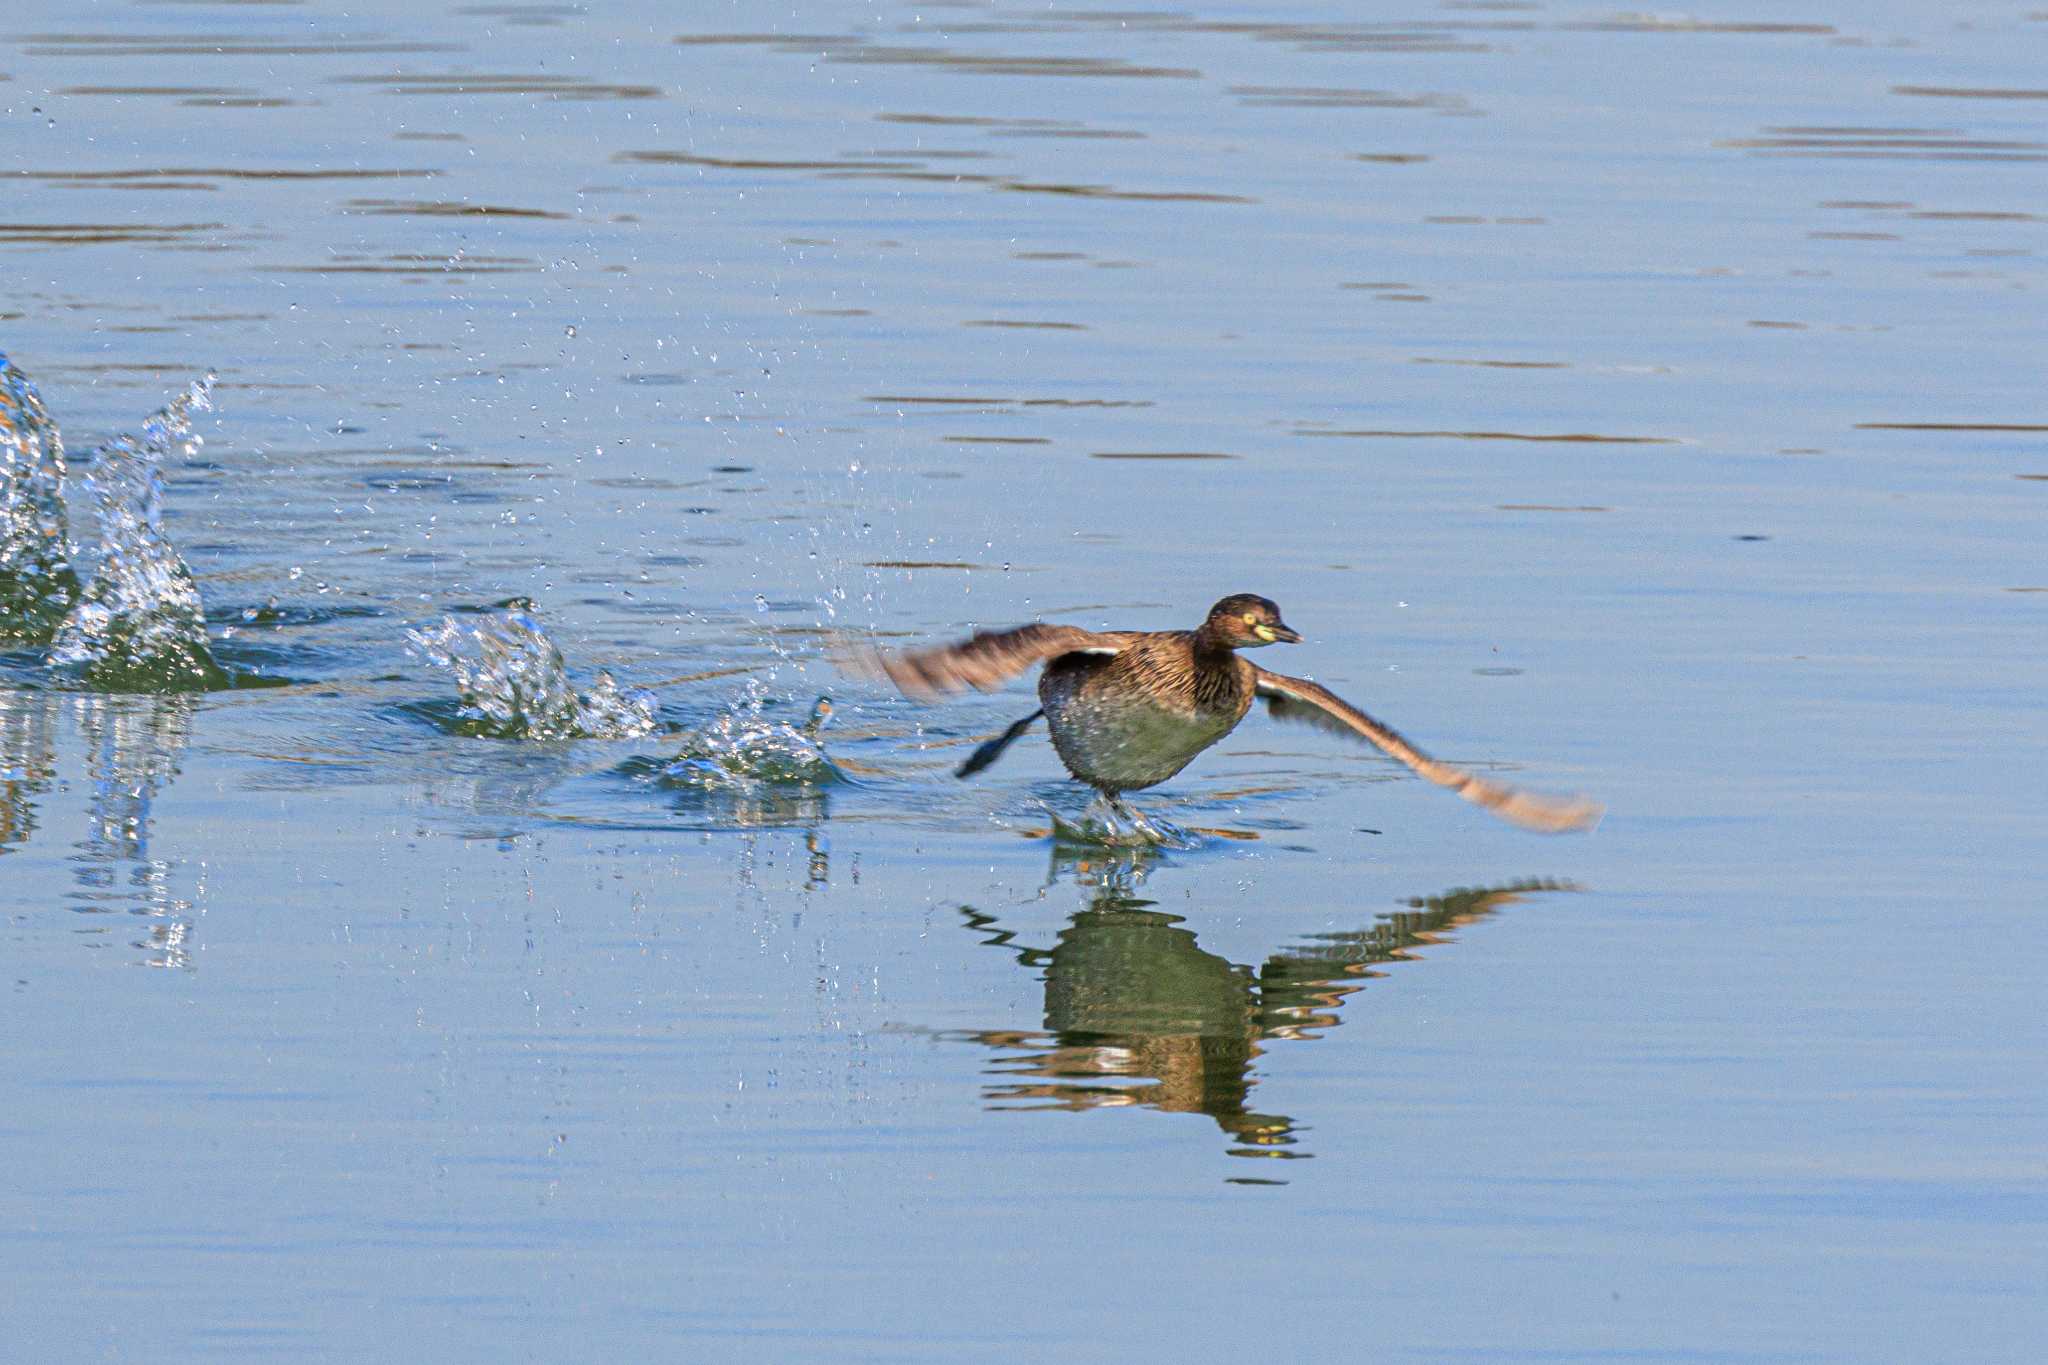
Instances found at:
x=1210 y=649
x=1215 y=677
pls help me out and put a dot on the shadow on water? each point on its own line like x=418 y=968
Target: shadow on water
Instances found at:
x=1139 y=1014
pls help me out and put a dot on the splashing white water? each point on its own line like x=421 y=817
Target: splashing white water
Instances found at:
x=37 y=584
x=515 y=682
x=138 y=625
x=1113 y=825
x=744 y=748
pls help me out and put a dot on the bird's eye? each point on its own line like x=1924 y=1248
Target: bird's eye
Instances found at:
x=1251 y=618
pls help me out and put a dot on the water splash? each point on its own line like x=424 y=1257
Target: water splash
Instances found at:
x=138 y=626
x=515 y=683
x=37 y=584
x=1112 y=824
x=744 y=748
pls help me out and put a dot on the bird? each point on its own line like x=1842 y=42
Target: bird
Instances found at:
x=1128 y=709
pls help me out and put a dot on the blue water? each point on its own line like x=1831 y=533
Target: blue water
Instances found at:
x=1642 y=406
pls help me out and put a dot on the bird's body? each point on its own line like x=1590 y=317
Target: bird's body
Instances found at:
x=1129 y=709
x=1125 y=721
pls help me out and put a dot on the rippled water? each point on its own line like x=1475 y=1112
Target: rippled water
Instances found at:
x=1643 y=404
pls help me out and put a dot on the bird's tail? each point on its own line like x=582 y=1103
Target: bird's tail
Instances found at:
x=993 y=750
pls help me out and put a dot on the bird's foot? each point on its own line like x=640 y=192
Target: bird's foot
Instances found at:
x=1109 y=823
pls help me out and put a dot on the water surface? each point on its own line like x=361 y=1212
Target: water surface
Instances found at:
x=1638 y=404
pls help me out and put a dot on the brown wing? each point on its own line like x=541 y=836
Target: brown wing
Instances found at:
x=987 y=660
x=1297 y=699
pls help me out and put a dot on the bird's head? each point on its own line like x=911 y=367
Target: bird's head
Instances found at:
x=1246 y=621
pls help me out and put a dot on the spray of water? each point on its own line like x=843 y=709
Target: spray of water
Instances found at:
x=138 y=626
x=515 y=683
x=744 y=748
x=37 y=584
x=1107 y=824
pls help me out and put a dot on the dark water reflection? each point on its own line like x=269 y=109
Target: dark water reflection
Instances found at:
x=1138 y=1013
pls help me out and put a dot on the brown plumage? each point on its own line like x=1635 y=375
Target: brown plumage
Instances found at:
x=1129 y=709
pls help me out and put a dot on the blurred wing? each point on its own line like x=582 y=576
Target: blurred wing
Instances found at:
x=1297 y=699
x=986 y=661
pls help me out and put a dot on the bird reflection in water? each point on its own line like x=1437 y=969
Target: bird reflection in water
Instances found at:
x=132 y=745
x=1137 y=1013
